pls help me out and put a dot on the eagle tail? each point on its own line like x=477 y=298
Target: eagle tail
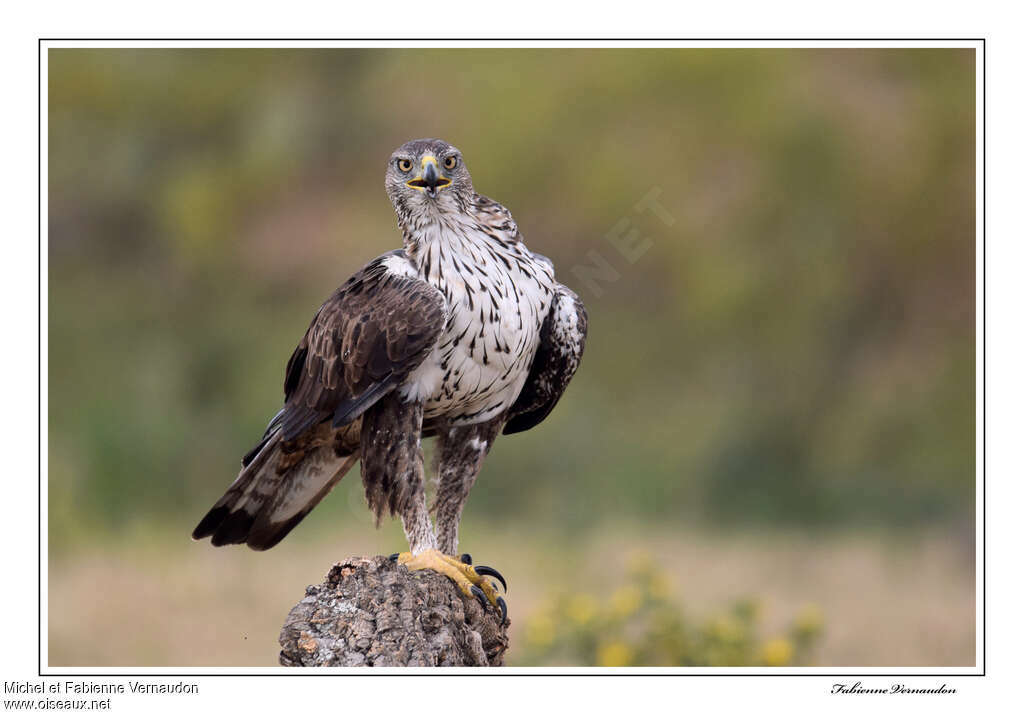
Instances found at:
x=266 y=502
x=303 y=488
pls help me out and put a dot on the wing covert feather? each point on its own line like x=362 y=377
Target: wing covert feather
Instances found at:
x=365 y=339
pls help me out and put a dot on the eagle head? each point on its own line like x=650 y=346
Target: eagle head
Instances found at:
x=427 y=174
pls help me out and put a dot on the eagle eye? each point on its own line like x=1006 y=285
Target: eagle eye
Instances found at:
x=450 y=162
x=404 y=165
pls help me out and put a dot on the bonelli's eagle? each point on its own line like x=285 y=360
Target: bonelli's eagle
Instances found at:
x=460 y=335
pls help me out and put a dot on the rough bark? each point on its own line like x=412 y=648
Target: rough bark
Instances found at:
x=374 y=612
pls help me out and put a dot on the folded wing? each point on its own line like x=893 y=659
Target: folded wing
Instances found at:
x=562 y=338
x=362 y=343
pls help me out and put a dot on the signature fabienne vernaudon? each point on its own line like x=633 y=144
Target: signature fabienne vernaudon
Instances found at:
x=894 y=689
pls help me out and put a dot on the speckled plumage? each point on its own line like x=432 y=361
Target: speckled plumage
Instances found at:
x=462 y=332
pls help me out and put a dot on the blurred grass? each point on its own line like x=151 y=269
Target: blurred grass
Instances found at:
x=153 y=598
x=794 y=352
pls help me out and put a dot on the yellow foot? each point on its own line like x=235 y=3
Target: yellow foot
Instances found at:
x=470 y=579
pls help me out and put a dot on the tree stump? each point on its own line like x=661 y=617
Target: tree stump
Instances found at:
x=370 y=611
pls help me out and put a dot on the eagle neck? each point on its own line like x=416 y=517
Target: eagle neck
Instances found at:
x=444 y=245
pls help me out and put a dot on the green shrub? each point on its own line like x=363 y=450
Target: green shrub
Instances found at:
x=643 y=624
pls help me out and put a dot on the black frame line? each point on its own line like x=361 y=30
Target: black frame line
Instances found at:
x=485 y=672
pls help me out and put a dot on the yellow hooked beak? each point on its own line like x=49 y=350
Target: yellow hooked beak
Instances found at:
x=429 y=179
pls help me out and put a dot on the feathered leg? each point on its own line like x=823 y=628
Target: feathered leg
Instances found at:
x=460 y=454
x=393 y=477
x=393 y=468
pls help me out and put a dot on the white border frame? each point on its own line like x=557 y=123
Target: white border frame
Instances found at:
x=977 y=45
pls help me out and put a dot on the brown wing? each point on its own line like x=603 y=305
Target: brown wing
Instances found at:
x=367 y=337
x=363 y=342
x=562 y=338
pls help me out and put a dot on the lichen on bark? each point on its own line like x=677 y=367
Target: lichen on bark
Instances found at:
x=370 y=611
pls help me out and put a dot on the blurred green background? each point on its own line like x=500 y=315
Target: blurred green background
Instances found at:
x=777 y=398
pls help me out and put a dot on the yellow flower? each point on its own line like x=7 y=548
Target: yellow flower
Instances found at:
x=809 y=621
x=660 y=587
x=777 y=651
x=626 y=601
x=726 y=629
x=614 y=654
x=540 y=631
x=640 y=563
x=582 y=608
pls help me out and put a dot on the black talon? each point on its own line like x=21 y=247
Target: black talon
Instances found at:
x=504 y=609
x=466 y=559
x=479 y=593
x=393 y=557
x=488 y=571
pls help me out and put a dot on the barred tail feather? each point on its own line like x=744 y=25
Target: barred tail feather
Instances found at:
x=302 y=489
x=228 y=521
x=265 y=503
